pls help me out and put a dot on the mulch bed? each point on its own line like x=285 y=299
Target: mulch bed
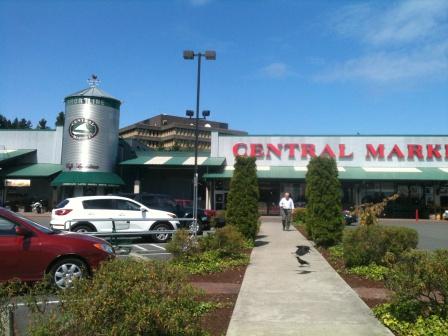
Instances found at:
x=371 y=292
x=222 y=287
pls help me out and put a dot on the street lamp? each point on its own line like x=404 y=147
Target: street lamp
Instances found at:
x=209 y=55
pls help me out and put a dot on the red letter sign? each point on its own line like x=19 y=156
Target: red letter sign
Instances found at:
x=415 y=150
x=256 y=150
x=237 y=147
x=308 y=149
x=397 y=152
x=342 y=154
x=373 y=153
x=276 y=150
x=433 y=151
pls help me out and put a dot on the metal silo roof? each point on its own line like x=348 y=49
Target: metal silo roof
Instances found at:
x=92 y=92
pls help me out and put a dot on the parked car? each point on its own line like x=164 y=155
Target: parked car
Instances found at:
x=349 y=218
x=445 y=215
x=167 y=203
x=29 y=250
x=97 y=207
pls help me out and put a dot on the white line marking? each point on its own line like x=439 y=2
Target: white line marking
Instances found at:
x=22 y=304
x=140 y=247
x=160 y=247
x=149 y=254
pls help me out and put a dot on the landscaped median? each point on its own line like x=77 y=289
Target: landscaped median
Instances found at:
x=406 y=288
x=193 y=294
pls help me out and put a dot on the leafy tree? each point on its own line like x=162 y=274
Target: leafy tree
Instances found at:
x=324 y=222
x=42 y=124
x=60 y=119
x=15 y=123
x=25 y=124
x=242 y=204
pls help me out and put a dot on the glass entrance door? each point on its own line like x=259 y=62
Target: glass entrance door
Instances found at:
x=220 y=199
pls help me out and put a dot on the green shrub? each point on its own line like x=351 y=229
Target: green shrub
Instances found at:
x=125 y=297
x=432 y=325
x=228 y=241
x=209 y=262
x=336 y=252
x=182 y=244
x=370 y=244
x=324 y=222
x=242 y=202
x=420 y=279
x=372 y=271
x=299 y=215
x=219 y=219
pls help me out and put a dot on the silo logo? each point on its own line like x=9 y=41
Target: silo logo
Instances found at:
x=83 y=129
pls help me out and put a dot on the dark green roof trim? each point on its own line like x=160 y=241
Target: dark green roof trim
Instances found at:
x=14 y=154
x=32 y=170
x=87 y=178
x=350 y=174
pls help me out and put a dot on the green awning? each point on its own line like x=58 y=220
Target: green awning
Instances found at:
x=87 y=178
x=163 y=158
x=12 y=154
x=346 y=174
x=32 y=170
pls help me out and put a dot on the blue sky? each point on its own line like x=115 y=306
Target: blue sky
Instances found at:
x=283 y=67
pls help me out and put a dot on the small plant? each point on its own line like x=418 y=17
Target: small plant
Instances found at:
x=432 y=325
x=242 y=202
x=299 y=215
x=420 y=278
x=228 y=241
x=125 y=297
x=182 y=244
x=370 y=244
x=324 y=222
x=368 y=213
x=372 y=271
x=336 y=252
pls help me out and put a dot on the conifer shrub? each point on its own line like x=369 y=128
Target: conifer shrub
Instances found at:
x=242 y=202
x=324 y=221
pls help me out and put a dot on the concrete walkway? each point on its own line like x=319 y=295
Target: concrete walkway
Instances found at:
x=278 y=297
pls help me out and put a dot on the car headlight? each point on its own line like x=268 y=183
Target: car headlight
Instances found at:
x=171 y=215
x=105 y=247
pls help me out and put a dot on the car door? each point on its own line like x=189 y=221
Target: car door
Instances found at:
x=129 y=210
x=10 y=250
x=17 y=254
x=103 y=208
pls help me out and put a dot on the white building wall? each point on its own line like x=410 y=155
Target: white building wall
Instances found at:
x=47 y=142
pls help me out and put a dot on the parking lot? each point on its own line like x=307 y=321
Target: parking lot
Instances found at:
x=139 y=248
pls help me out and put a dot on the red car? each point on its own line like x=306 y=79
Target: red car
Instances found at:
x=29 y=250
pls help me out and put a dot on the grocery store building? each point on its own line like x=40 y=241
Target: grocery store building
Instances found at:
x=87 y=157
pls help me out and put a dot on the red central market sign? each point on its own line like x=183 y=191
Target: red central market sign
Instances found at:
x=295 y=151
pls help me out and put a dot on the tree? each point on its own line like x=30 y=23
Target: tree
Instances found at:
x=6 y=123
x=42 y=124
x=25 y=124
x=242 y=202
x=324 y=222
x=60 y=119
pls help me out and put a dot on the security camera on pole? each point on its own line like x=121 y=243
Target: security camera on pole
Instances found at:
x=211 y=56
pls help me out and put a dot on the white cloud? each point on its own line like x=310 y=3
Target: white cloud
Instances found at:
x=405 y=41
x=384 y=67
x=406 y=22
x=276 y=70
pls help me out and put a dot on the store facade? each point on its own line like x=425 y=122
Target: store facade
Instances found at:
x=369 y=167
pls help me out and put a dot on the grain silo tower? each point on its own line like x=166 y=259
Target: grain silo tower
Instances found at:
x=90 y=140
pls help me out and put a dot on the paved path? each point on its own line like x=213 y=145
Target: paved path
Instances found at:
x=278 y=297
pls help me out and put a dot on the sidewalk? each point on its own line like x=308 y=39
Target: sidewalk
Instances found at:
x=278 y=297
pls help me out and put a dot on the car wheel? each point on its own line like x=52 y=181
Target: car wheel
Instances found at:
x=66 y=270
x=83 y=228
x=162 y=237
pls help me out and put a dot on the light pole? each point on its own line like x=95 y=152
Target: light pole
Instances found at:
x=209 y=55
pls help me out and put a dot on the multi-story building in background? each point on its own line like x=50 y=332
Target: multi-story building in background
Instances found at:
x=172 y=132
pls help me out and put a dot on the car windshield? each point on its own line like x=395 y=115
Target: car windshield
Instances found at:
x=38 y=226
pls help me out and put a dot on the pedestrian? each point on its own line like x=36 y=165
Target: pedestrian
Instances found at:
x=286 y=207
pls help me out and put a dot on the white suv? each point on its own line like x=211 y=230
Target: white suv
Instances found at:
x=89 y=208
